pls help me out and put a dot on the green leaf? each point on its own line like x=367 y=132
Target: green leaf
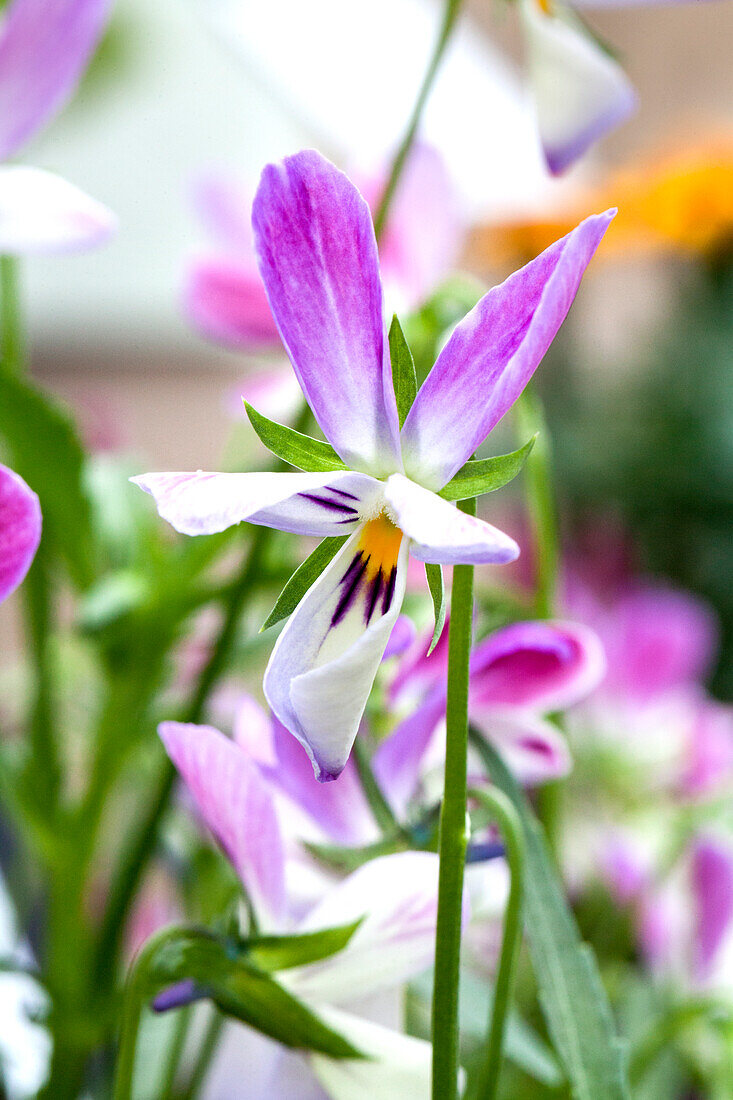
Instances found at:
x=573 y=1000
x=484 y=475
x=345 y=860
x=434 y=573
x=282 y=952
x=404 y=378
x=221 y=971
x=45 y=450
x=303 y=577
x=301 y=451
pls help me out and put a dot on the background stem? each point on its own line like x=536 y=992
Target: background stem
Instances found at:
x=453 y=836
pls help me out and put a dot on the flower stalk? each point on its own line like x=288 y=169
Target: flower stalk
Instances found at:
x=501 y=809
x=453 y=836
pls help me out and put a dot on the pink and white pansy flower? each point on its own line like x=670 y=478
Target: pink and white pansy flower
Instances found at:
x=44 y=49
x=318 y=260
x=393 y=896
x=20 y=530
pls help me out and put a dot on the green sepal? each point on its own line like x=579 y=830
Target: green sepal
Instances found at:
x=434 y=574
x=302 y=579
x=301 y=451
x=221 y=971
x=484 y=475
x=282 y=952
x=404 y=378
x=574 y=1003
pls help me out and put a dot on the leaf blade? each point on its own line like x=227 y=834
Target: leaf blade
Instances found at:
x=434 y=574
x=404 y=378
x=573 y=1000
x=486 y=475
x=295 y=448
x=304 y=576
x=299 y=949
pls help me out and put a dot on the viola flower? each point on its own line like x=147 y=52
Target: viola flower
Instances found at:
x=394 y=897
x=517 y=675
x=581 y=93
x=44 y=49
x=318 y=260
x=225 y=298
x=20 y=530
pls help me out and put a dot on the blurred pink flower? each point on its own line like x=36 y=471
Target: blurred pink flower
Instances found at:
x=20 y=530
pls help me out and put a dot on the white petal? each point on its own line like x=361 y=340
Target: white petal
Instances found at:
x=41 y=212
x=324 y=663
x=440 y=532
x=397 y=897
x=397 y=1066
x=307 y=504
x=580 y=92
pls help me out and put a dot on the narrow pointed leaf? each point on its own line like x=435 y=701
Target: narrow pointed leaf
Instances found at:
x=434 y=574
x=404 y=378
x=574 y=1002
x=484 y=475
x=281 y=952
x=301 y=451
x=302 y=579
x=220 y=970
x=45 y=450
x=345 y=860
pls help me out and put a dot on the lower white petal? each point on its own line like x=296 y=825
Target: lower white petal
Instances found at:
x=580 y=91
x=440 y=532
x=41 y=212
x=324 y=663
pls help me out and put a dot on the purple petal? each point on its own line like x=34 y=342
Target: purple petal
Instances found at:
x=712 y=883
x=236 y=803
x=402 y=637
x=398 y=761
x=580 y=91
x=178 y=996
x=440 y=532
x=318 y=260
x=20 y=530
x=542 y=666
x=340 y=809
x=397 y=897
x=305 y=504
x=43 y=213
x=226 y=302
x=44 y=49
x=324 y=663
x=534 y=750
x=491 y=356
x=252 y=731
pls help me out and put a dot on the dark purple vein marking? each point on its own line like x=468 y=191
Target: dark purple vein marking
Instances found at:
x=373 y=596
x=389 y=590
x=334 y=505
x=349 y=592
x=343 y=493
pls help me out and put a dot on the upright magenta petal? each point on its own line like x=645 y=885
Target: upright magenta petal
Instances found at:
x=43 y=213
x=581 y=92
x=201 y=503
x=20 y=530
x=236 y=803
x=318 y=260
x=492 y=355
x=538 y=666
x=226 y=301
x=397 y=763
x=712 y=884
x=44 y=48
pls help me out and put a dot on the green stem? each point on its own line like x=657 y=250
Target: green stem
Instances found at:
x=176 y=1047
x=12 y=344
x=502 y=810
x=143 y=843
x=450 y=16
x=205 y=1056
x=453 y=836
x=378 y=804
x=540 y=501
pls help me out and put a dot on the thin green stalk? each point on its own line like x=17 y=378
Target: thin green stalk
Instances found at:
x=176 y=1047
x=378 y=804
x=540 y=501
x=453 y=837
x=450 y=16
x=501 y=809
x=143 y=842
x=12 y=344
x=205 y=1056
